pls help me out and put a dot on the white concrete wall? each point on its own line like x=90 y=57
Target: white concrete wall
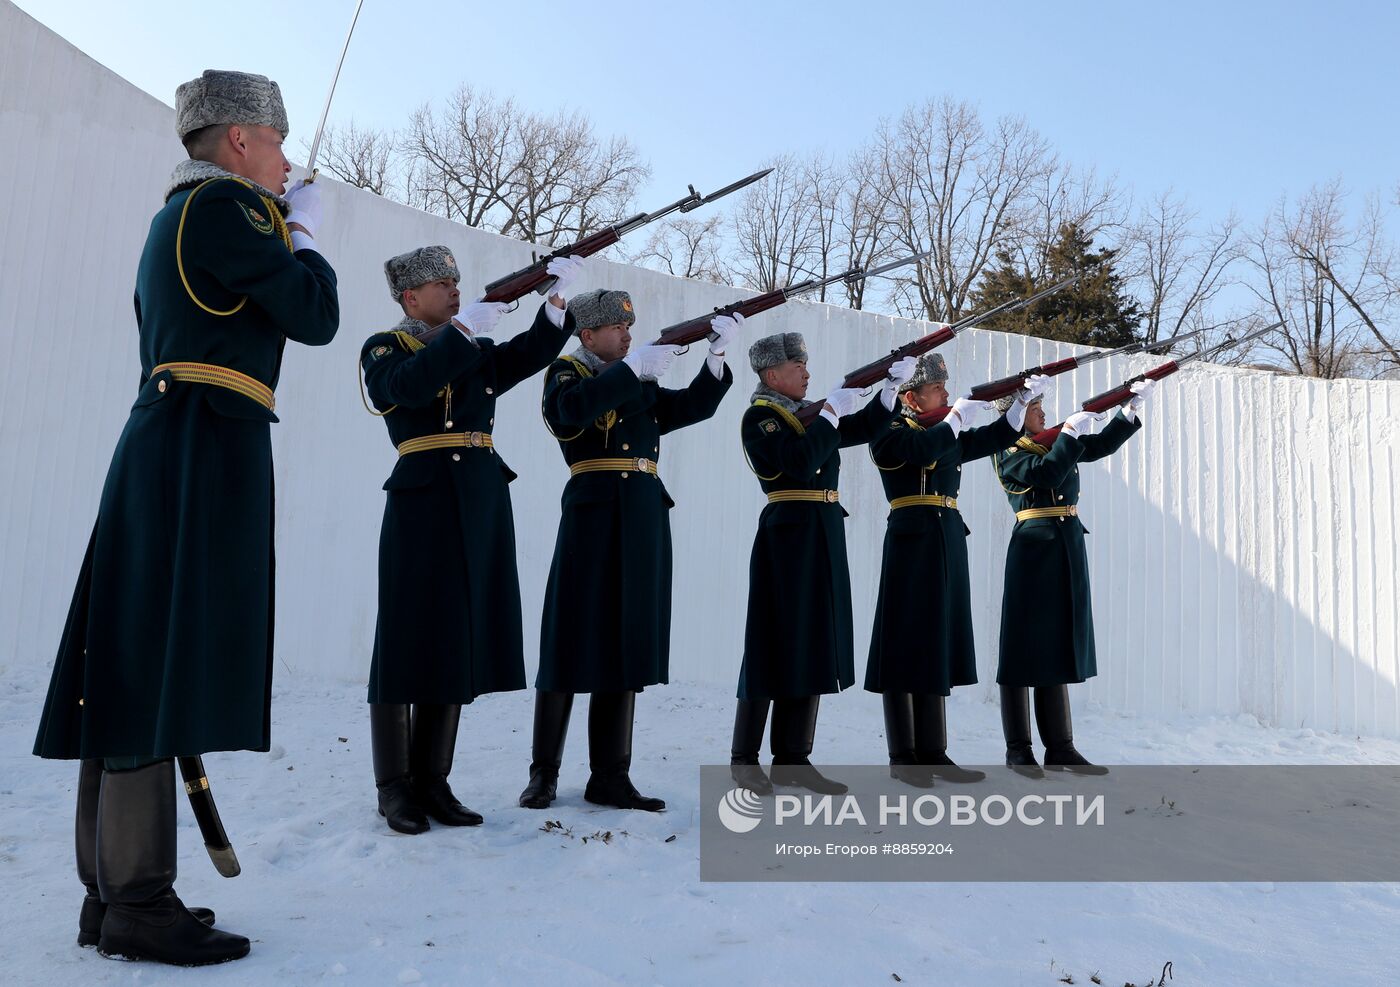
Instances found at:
x=1243 y=546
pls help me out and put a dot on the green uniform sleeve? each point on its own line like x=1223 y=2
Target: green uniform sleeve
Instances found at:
x=1026 y=469
x=775 y=448
x=1110 y=440
x=228 y=238
x=571 y=400
x=979 y=443
x=898 y=444
x=394 y=376
x=675 y=409
x=867 y=423
x=531 y=351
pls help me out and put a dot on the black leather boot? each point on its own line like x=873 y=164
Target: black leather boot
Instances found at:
x=389 y=729
x=136 y=875
x=1052 y=718
x=899 y=738
x=750 y=717
x=792 y=737
x=1016 y=725
x=434 y=743
x=85 y=843
x=610 y=753
x=552 y=711
x=931 y=739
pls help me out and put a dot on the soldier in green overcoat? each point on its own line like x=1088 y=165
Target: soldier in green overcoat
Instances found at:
x=1047 y=567
x=921 y=645
x=798 y=636
x=606 y=626
x=449 y=597
x=167 y=649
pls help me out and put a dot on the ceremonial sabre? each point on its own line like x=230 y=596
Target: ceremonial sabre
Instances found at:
x=211 y=827
x=320 y=127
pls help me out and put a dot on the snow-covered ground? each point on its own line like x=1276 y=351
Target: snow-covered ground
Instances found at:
x=328 y=894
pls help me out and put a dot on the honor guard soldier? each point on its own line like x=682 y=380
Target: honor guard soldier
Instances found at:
x=1047 y=624
x=168 y=645
x=449 y=597
x=922 y=642
x=798 y=637
x=606 y=627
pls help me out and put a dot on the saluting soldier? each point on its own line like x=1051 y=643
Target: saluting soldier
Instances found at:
x=1047 y=624
x=798 y=637
x=606 y=627
x=449 y=596
x=922 y=646
x=168 y=645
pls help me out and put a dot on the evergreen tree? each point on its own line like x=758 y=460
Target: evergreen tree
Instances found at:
x=1094 y=311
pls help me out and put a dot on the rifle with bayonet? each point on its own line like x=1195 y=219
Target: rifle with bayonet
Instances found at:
x=875 y=371
x=536 y=277
x=1010 y=385
x=693 y=330
x=1123 y=393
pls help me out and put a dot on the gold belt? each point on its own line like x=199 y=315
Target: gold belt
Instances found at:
x=1039 y=512
x=208 y=373
x=623 y=466
x=925 y=500
x=447 y=440
x=816 y=496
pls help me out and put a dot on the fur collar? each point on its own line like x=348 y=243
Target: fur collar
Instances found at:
x=781 y=400
x=188 y=174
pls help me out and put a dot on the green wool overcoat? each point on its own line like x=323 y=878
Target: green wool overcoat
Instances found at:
x=606 y=624
x=449 y=626
x=798 y=639
x=922 y=637
x=1047 y=620
x=168 y=645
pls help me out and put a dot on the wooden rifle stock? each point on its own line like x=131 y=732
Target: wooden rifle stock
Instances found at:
x=995 y=389
x=694 y=330
x=876 y=370
x=515 y=286
x=1109 y=399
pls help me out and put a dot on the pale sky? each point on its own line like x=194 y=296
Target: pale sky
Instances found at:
x=1230 y=103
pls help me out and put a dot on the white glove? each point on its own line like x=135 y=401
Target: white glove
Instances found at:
x=843 y=401
x=305 y=202
x=1141 y=389
x=650 y=362
x=479 y=318
x=900 y=371
x=1036 y=384
x=963 y=412
x=1079 y=422
x=565 y=271
x=725 y=328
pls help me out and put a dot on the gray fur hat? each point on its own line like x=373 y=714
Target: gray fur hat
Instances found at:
x=931 y=369
x=1004 y=403
x=221 y=96
x=419 y=267
x=773 y=350
x=601 y=307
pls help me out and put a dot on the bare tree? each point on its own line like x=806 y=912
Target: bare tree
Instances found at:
x=863 y=220
x=1065 y=196
x=775 y=229
x=362 y=157
x=686 y=248
x=1179 y=271
x=485 y=162
x=960 y=190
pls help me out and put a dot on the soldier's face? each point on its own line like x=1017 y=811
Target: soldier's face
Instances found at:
x=789 y=378
x=434 y=302
x=608 y=343
x=1035 y=418
x=262 y=160
x=927 y=397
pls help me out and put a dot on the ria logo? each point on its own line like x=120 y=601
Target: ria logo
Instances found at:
x=740 y=810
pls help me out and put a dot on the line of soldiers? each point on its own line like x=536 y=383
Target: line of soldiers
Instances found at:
x=167 y=649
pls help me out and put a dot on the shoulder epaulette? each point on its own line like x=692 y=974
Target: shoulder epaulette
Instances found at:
x=782 y=413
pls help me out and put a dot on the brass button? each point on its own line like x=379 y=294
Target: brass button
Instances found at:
x=655 y=449
x=492 y=422
x=959 y=469
x=80 y=702
x=456 y=457
x=819 y=472
x=489 y=391
x=1062 y=496
x=449 y=424
x=161 y=387
x=624 y=476
x=625 y=446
